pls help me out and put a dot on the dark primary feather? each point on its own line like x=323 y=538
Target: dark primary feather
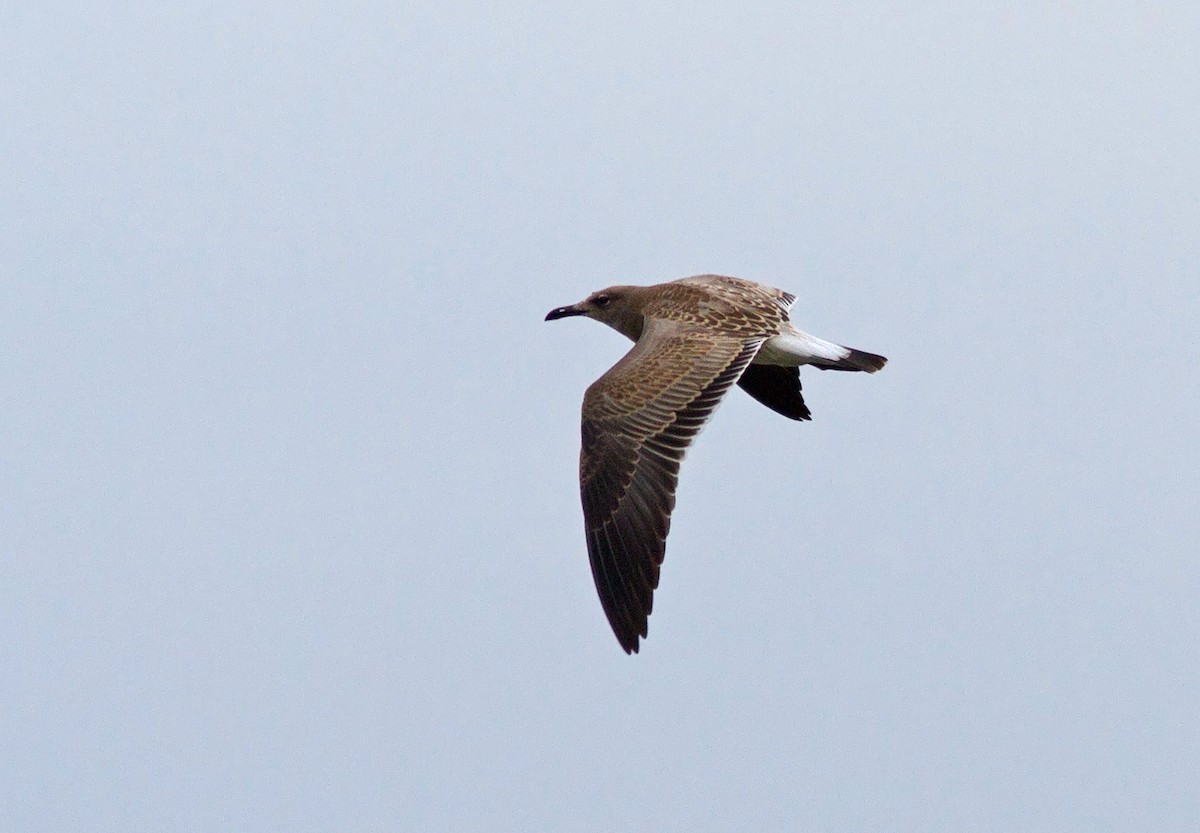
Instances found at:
x=776 y=387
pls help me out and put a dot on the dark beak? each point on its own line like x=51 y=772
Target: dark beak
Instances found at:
x=564 y=312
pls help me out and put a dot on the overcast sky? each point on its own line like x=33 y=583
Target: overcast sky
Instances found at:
x=290 y=535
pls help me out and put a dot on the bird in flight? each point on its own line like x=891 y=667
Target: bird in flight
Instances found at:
x=693 y=339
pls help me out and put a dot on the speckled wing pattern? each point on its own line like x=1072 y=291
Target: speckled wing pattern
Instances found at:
x=638 y=420
x=767 y=308
x=725 y=304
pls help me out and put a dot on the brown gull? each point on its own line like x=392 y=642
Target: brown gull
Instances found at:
x=693 y=338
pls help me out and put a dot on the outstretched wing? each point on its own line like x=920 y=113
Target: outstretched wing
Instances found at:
x=638 y=420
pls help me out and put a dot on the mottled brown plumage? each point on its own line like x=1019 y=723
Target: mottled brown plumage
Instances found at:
x=694 y=338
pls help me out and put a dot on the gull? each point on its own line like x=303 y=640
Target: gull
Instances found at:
x=693 y=339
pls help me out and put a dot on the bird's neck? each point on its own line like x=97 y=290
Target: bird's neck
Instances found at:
x=629 y=324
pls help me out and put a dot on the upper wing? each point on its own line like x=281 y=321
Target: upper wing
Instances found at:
x=748 y=292
x=638 y=420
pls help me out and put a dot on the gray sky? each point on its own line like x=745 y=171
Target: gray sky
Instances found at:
x=290 y=536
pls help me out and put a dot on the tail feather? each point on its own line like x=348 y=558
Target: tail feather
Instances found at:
x=853 y=360
x=798 y=347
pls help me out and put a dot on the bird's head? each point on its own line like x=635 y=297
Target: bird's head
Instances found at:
x=617 y=306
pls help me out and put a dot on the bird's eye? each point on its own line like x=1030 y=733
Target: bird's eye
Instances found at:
x=601 y=300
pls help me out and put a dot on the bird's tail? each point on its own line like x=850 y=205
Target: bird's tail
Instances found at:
x=854 y=360
x=801 y=348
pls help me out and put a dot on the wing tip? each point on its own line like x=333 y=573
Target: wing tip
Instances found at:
x=630 y=632
x=631 y=643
